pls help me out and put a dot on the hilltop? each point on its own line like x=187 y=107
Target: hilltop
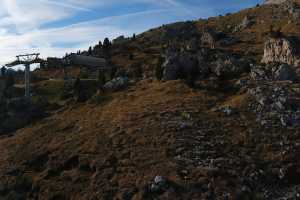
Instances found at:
x=274 y=1
x=205 y=109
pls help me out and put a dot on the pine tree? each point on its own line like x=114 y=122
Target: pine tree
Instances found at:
x=3 y=71
x=90 y=51
x=106 y=48
x=106 y=44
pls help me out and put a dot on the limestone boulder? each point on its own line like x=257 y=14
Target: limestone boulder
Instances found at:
x=208 y=39
x=280 y=50
x=182 y=65
x=171 y=68
x=275 y=103
x=116 y=84
x=229 y=67
x=246 y=23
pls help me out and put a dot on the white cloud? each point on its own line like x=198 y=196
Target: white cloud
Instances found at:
x=82 y=34
x=25 y=15
x=22 y=23
x=66 y=5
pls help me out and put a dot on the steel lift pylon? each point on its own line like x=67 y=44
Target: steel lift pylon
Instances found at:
x=26 y=60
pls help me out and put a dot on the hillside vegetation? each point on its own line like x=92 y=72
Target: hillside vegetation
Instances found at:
x=191 y=113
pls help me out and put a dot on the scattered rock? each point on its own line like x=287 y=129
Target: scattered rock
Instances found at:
x=229 y=67
x=276 y=104
x=228 y=110
x=273 y=72
x=159 y=184
x=290 y=119
x=116 y=84
x=157 y=187
x=292 y=8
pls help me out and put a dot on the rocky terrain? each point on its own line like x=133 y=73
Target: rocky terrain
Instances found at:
x=274 y=1
x=206 y=109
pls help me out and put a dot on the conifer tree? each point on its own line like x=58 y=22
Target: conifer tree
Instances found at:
x=3 y=71
x=106 y=48
x=90 y=51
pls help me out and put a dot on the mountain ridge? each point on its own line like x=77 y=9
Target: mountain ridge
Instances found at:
x=274 y=1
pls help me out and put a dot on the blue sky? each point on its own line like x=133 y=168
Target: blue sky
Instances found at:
x=54 y=27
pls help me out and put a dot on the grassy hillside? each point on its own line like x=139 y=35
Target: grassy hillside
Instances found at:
x=164 y=139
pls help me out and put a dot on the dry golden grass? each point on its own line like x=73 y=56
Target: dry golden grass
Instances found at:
x=86 y=151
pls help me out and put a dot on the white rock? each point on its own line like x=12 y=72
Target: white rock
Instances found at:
x=279 y=50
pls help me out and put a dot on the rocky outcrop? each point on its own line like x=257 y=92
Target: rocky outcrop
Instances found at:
x=208 y=39
x=192 y=45
x=275 y=72
x=288 y=5
x=280 y=50
x=247 y=22
x=179 y=29
x=201 y=64
x=274 y=1
x=228 y=66
x=182 y=65
x=276 y=104
x=116 y=84
x=275 y=95
x=292 y=8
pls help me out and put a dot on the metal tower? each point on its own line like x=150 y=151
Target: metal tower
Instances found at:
x=26 y=60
